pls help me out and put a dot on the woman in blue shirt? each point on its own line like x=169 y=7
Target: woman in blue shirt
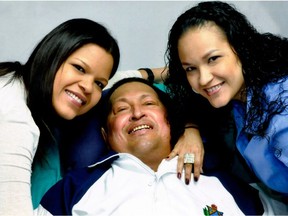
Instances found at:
x=215 y=54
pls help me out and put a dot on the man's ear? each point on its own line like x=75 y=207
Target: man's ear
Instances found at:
x=104 y=134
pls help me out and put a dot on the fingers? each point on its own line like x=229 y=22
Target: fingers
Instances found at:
x=190 y=143
x=197 y=168
x=189 y=168
x=188 y=171
x=174 y=153
x=180 y=165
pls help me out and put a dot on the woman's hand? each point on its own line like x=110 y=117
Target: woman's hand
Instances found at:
x=189 y=142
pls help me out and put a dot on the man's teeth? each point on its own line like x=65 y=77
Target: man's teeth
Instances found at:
x=213 y=88
x=74 y=97
x=140 y=127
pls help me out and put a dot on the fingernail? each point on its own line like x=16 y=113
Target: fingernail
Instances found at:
x=187 y=181
x=179 y=175
x=196 y=179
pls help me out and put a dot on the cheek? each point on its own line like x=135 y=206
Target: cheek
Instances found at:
x=117 y=126
x=57 y=83
x=116 y=139
x=237 y=77
x=95 y=98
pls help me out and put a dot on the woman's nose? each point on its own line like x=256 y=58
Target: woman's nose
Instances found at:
x=86 y=84
x=205 y=76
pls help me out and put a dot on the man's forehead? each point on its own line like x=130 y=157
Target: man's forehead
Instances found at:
x=129 y=91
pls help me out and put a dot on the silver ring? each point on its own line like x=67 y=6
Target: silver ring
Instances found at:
x=189 y=158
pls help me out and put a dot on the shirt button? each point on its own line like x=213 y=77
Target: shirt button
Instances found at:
x=278 y=153
x=150 y=183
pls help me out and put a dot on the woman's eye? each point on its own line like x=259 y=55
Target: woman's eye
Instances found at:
x=79 y=68
x=213 y=58
x=100 y=84
x=189 y=69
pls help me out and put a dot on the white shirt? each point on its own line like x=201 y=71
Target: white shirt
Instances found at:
x=131 y=188
x=18 y=142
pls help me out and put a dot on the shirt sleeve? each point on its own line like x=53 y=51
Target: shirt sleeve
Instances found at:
x=41 y=211
x=18 y=142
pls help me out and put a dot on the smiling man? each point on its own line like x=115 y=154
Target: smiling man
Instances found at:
x=139 y=124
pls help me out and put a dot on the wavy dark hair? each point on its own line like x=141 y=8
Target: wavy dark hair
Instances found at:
x=39 y=72
x=172 y=118
x=264 y=58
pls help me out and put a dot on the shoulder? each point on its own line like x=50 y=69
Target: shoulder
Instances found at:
x=61 y=198
x=13 y=102
x=12 y=91
x=11 y=85
x=273 y=89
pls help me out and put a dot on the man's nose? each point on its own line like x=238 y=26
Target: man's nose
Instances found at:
x=136 y=113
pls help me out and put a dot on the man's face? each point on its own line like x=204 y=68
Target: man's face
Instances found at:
x=137 y=123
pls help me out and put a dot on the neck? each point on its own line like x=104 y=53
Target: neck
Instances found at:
x=153 y=164
x=241 y=95
x=153 y=159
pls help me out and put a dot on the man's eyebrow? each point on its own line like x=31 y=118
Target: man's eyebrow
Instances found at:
x=125 y=99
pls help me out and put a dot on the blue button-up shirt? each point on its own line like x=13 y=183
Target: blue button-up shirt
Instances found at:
x=266 y=156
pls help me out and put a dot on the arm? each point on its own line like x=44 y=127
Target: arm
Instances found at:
x=272 y=153
x=189 y=142
x=18 y=142
x=122 y=75
x=159 y=75
x=267 y=155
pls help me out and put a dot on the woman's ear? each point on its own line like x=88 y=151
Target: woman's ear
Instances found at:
x=104 y=134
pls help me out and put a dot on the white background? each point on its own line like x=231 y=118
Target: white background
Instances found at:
x=140 y=27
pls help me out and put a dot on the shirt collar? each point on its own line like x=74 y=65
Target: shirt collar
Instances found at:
x=164 y=167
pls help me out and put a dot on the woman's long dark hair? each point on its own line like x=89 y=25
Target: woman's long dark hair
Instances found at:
x=264 y=58
x=39 y=72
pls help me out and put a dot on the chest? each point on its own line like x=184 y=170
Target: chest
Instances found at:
x=121 y=192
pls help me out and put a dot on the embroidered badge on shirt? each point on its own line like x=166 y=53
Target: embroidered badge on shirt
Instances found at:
x=212 y=210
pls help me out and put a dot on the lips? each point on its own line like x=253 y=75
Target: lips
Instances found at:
x=139 y=127
x=75 y=97
x=213 y=89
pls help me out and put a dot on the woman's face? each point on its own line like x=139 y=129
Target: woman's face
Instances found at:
x=212 y=67
x=80 y=79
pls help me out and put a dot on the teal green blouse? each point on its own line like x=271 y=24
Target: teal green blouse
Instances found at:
x=45 y=175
